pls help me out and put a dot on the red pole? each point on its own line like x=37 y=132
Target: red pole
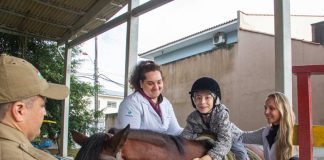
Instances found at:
x=305 y=119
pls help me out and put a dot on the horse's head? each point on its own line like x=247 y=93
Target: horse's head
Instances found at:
x=100 y=145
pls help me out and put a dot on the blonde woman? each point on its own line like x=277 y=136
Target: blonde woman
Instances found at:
x=277 y=137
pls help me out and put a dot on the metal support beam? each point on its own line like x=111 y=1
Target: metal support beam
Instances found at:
x=305 y=119
x=101 y=29
x=65 y=110
x=314 y=69
x=148 y=6
x=137 y=11
x=15 y=31
x=283 y=75
x=62 y=8
x=92 y=13
x=36 y=19
x=131 y=43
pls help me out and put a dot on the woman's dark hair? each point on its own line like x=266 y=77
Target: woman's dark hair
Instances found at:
x=139 y=71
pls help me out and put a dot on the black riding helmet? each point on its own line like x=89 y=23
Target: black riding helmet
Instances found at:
x=205 y=84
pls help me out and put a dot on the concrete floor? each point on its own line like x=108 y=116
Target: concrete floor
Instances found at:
x=318 y=153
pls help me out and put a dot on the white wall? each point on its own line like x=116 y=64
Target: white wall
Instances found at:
x=300 y=24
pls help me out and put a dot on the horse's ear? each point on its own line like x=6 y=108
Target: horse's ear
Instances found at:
x=118 y=140
x=79 y=138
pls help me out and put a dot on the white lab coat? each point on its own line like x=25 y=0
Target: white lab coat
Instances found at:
x=137 y=111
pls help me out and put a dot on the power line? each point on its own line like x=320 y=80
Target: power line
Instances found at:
x=110 y=80
x=101 y=76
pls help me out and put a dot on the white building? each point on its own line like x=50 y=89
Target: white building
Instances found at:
x=108 y=102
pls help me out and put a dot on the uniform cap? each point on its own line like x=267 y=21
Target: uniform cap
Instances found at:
x=19 y=80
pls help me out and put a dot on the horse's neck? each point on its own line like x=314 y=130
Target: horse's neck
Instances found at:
x=161 y=146
x=91 y=149
x=195 y=149
x=148 y=137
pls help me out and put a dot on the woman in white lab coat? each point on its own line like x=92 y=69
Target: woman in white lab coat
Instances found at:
x=146 y=108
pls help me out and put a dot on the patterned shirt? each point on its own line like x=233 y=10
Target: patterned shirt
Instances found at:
x=219 y=124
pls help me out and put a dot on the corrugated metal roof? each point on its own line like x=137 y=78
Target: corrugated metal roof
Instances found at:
x=55 y=19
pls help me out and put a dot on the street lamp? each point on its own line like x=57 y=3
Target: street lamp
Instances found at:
x=96 y=82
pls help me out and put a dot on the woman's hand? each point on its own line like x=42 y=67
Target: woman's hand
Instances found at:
x=205 y=157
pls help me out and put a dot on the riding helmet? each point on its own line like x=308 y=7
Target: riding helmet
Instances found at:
x=205 y=84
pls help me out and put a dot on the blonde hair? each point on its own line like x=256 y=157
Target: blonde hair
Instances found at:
x=284 y=145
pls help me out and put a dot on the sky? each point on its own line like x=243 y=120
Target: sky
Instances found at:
x=170 y=22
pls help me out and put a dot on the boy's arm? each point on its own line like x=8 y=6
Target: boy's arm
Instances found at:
x=188 y=131
x=221 y=125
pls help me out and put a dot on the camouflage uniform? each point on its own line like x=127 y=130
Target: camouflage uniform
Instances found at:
x=226 y=132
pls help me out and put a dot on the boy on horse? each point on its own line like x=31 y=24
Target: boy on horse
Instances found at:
x=211 y=116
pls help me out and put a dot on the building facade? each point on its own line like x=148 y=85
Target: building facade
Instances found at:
x=240 y=55
x=108 y=102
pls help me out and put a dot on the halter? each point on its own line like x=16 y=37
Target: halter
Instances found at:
x=108 y=157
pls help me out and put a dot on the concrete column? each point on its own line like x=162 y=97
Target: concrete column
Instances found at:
x=65 y=110
x=131 y=43
x=283 y=75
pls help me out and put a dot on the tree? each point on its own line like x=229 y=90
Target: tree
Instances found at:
x=49 y=60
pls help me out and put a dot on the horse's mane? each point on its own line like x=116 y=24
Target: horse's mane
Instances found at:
x=161 y=139
x=158 y=139
x=92 y=148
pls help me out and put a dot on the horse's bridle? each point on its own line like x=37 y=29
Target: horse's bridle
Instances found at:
x=108 y=157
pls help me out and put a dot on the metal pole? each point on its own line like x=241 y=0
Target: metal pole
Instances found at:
x=95 y=75
x=131 y=43
x=283 y=75
x=66 y=104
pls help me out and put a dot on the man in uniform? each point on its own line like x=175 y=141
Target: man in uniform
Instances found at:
x=22 y=108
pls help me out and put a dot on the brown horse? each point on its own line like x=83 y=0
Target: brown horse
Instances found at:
x=130 y=144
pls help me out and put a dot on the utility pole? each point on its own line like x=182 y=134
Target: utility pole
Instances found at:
x=95 y=76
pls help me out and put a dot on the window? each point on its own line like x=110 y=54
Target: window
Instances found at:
x=111 y=104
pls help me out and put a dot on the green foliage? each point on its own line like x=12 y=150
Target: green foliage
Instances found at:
x=49 y=60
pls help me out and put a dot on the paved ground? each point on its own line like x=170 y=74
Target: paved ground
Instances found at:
x=318 y=153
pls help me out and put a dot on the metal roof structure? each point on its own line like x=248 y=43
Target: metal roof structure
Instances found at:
x=55 y=20
x=72 y=22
